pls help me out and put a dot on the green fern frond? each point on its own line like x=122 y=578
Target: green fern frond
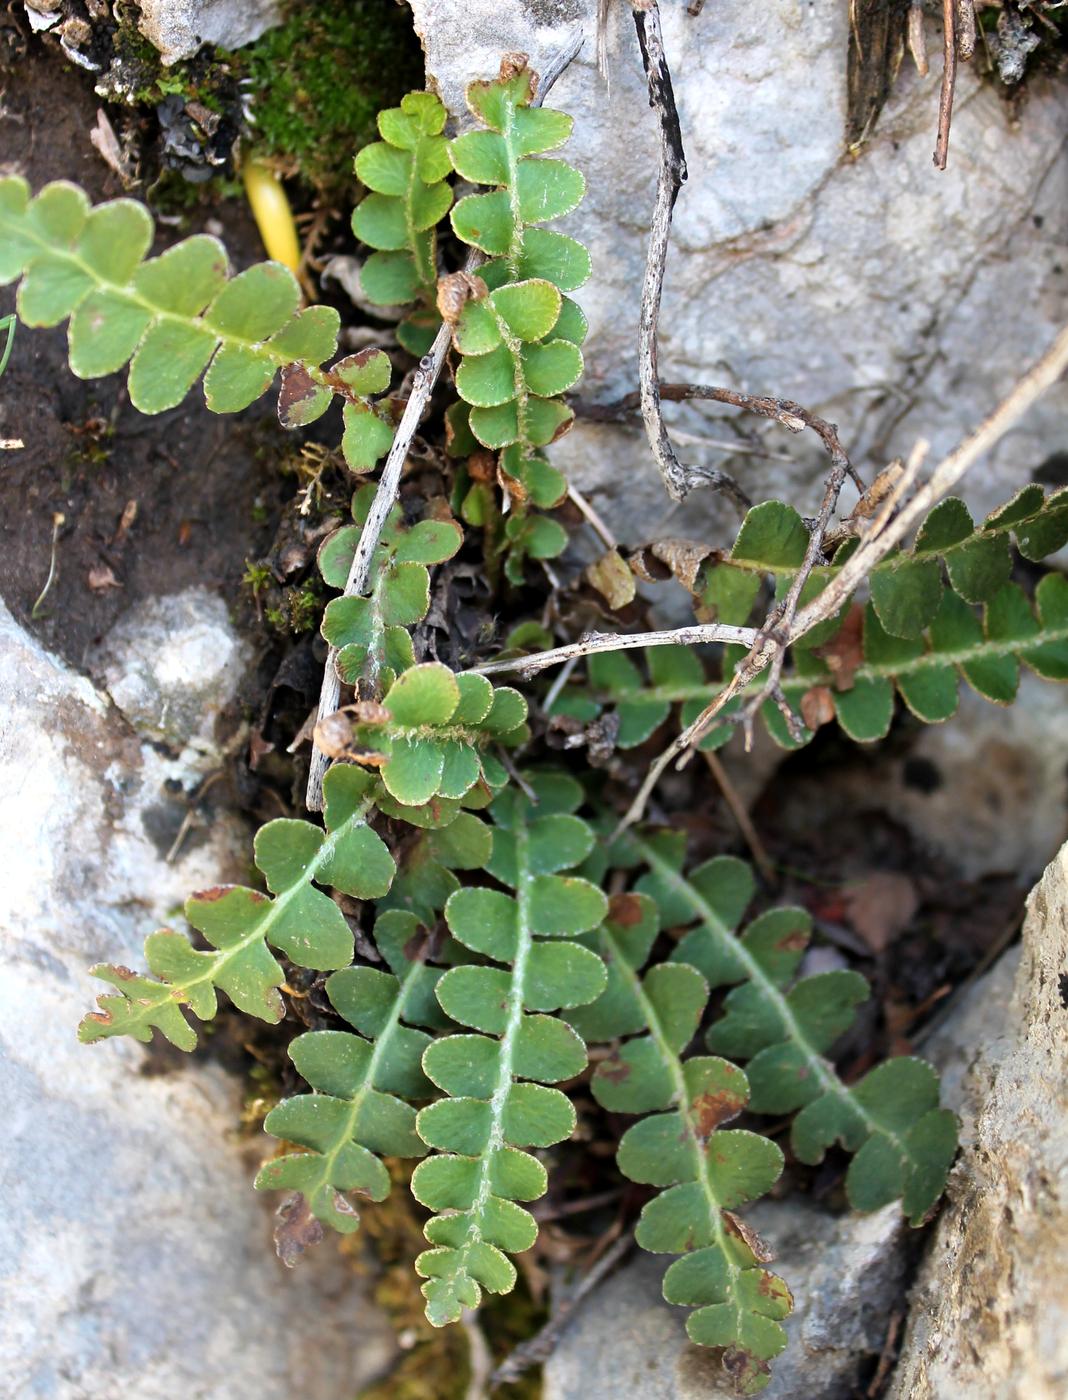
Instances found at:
x=175 y=316
x=907 y=586
x=681 y=1145
x=406 y=173
x=365 y=1083
x=496 y=1080
x=903 y=1143
x=985 y=648
x=243 y=924
x=518 y=335
x=371 y=632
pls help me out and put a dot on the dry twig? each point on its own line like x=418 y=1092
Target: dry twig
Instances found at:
x=699 y=633
x=542 y=1345
x=949 y=81
x=878 y=540
x=785 y=411
x=423 y=381
x=679 y=480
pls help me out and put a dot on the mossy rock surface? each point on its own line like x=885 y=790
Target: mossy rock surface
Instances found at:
x=318 y=80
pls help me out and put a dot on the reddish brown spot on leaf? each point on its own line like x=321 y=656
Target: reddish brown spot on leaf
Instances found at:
x=794 y=942
x=625 y=910
x=817 y=707
x=710 y=1110
x=614 y=1069
x=218 y=892
x=845 y=651
x=742 y=1366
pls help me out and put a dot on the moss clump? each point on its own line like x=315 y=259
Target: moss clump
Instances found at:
x=317 y=82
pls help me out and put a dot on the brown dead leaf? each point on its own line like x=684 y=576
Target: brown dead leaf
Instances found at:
x=333 y=734
x=297 y=1229
x=103 y=137
x=482 y=465
x=455 y=291
x=671 y=558
x=817 y=707
x=368 y=712
x=845 y=651
x=881 y=906
x=258 y=749
x=126 y=520
x=612 y=579
x=101 y=578
x=878 y=491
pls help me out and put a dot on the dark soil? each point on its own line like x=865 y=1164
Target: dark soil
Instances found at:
x=202 y=485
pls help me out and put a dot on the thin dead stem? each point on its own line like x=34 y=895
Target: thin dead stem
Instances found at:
x=949 y=81
x=679 y=480
x=699 y=633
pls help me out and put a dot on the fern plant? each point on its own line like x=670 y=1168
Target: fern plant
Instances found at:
x=495 y=956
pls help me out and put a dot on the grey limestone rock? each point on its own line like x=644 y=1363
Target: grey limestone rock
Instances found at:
x=137 y=1262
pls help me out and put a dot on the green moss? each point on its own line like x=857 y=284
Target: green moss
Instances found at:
x=317 y=82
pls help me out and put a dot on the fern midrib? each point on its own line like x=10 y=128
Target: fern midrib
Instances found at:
x=378 y=1053
x=519 y=379
x=279 y=902
x=673 y=1065
x=986 y=650
x=425 y=272
x=821 y=1069
x=158 y=313
x=515 y=242
x=502 y=1088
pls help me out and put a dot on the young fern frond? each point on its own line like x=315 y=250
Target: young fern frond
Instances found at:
x=427 y=736
x=516 y=331
x=365 y=1083
x=174 y=316
x=682 y=1146
x=903 y=1143
x=407 y=173
x=496 y=1080
x=242 y=925
x=371 y=632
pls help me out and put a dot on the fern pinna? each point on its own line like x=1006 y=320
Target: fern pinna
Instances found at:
x=489 y=954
